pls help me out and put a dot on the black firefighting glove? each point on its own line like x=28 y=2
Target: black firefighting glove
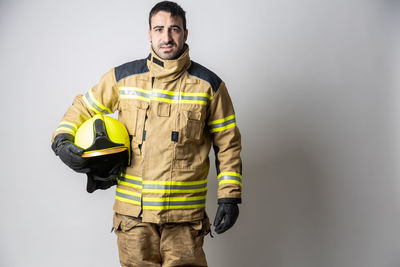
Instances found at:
x=227 y=214
x=69 y=153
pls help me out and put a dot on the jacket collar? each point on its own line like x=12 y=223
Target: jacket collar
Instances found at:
x=168 y=69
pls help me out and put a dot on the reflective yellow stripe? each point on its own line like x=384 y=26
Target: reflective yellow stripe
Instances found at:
x=182 y=93
x=137 y=178
x=164 y=96
x=197 y=94
x=221 y=120
x=89 y=105
x=128 y=200
x=73 y=125
x=129 y=184
x=199 y=102
x=66 y=129
x=161 y=203
x=182 y=207
x=175 y=183
x=98 y=103
x=95 y=105
x=159 y=99
x=230 y=178
x=128 y=192
x=134 y=93
x=128 y=196
x=168 y=199
x=67 y=126
x=163 y=187
x=223 y=128
x=130 y=181
x=164 y=191
x=222 y=124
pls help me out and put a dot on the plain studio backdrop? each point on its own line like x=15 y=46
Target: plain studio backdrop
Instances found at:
x=315 y=86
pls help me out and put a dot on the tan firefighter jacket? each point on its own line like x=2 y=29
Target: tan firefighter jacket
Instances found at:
x=174 y=110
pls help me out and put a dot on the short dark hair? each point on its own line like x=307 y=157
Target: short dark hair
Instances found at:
x=170 y=7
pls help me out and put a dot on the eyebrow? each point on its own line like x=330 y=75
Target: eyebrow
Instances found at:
x=171 y=26
x=175 y=26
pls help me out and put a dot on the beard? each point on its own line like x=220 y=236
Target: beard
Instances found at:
x=173 y=54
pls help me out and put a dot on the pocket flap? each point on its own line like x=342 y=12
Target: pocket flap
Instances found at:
x=197 y=225
x=142 y=105
x=191 y=81
x=123 y=222
x=202 y=226
x=194 y=115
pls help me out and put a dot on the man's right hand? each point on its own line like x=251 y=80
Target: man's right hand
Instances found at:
x=69 y=153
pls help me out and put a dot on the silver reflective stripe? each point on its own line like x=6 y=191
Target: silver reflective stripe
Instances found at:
x=93 y=104
x=121 y=178
x=180 y=97
x=229 y=177
x=128 y=196
x=161 y=95
x=222 y=124
x=134 y=92
x=160 y=186
x=174 y=203
x=200 y=98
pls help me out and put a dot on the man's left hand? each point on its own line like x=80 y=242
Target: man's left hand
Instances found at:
x=226 y=217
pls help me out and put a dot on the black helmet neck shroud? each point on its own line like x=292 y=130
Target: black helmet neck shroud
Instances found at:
x=106 y=159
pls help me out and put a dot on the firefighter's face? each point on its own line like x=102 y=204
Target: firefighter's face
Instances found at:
x=166 y=35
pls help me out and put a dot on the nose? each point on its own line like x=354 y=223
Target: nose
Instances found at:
x=166 y=36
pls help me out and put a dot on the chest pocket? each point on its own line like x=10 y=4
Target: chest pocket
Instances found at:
x=133 y=114
x=195 y=125
x=163 y=109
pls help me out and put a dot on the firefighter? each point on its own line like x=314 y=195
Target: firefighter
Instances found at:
x=174 y=110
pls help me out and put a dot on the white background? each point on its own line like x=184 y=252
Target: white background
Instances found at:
x=315 y=85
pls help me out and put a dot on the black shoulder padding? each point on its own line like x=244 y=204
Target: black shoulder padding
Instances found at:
x=131 y=68
x=205 y=74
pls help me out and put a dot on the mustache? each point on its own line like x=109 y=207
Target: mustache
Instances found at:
x=169 y=43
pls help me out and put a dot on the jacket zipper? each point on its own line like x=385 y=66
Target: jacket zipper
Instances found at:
x=143 y=155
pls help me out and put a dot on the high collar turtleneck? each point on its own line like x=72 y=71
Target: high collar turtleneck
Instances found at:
x=168 y=69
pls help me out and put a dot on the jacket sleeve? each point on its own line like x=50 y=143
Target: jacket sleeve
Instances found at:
x=101 y=98
x=227 y=145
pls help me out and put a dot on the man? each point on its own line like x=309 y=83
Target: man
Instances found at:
x=173 y=109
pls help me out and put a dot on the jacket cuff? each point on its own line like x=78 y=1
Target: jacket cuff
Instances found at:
x=229 y=201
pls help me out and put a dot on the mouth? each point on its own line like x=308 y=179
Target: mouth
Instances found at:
x=167 y=48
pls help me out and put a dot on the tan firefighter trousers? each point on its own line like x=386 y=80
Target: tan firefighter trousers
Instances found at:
x=168 y=244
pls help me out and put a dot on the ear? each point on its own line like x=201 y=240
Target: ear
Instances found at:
x=185 y=35
x=150 y=35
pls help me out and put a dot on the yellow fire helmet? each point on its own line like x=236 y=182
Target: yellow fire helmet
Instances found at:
x=102 y=135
